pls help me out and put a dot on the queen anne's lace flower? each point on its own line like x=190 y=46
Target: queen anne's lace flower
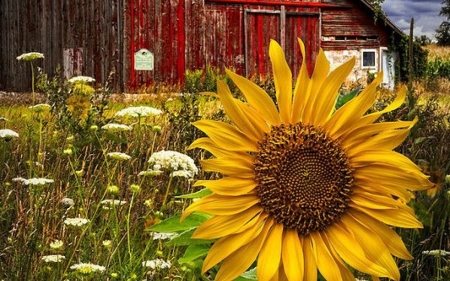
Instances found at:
x=436 y=253
x=87 y=268
x=157 y=263
x=53 y=258
x=8 y=134
x=109 y=203
x=76 y=221
x=138 y=111
x=30 y=56
x=57 y=244
x=173 y=161
x=114 y=127
x=119 y=156
x=162 y=235
x=82 y=79
x=37 y=181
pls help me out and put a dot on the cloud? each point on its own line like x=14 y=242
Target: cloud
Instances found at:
x=425 y=14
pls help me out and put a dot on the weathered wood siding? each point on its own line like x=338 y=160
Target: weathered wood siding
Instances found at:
x=97 y=38
x=95 y=28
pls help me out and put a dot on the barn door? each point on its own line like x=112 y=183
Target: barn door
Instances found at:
x=284 y=26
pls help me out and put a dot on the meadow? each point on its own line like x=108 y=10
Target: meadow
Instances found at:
x=92 y=186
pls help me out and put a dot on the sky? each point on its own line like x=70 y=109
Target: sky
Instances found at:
x=425 y=14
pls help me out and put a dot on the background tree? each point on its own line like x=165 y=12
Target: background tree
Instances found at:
x=443 y=32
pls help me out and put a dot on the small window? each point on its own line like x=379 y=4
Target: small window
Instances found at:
x=368 y=58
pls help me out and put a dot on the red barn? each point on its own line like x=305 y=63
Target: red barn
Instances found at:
x=147 y=41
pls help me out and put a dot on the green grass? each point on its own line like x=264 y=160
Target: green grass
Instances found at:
x=71 y=149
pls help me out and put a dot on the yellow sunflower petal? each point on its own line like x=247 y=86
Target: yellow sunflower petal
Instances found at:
x=325 y=261
x=229 y=186
x=363 y=132
x=282 y=77
x=257 y=98
x=292 y=255
x=391 y=239
x=229 y=244
x=397 y=177
x=309 y=255
x=373 y=247
x=351 y=252
x=255 y=120
x=383 y=188
x=239 y=261
x=320 y=74
x=216 y=150
x=383 y=157
x=399 y=100
x=329 y=92
x=221 y=205
x=384 y=140
x=395 y=217
x=237 y=116
x=270 y=256
x=302 y=88
x=348 y=114
x=223 y=225
x=226 y=135
x=241 y=167
x=376 y=201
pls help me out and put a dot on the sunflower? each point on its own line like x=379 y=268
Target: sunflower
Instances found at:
x=305 y=188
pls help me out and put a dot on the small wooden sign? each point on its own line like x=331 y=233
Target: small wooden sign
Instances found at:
x=143 y=60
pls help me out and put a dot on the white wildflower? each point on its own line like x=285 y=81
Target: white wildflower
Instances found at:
x=173 y=161
x=81 y=79
x=8 y=134
x=41 y=107
x=436 y=253
x=57 y=244
x=37 y=181
x=107 y=243
x=68 y=202
x=138 y=111
x=119 y=156
x=113 y=127
x=87 y=268
x=76 y=221
x=109 y=203
x=182 y=174
x=53 y=258
x=162 y=235
x=30 y=56
x=158 y=263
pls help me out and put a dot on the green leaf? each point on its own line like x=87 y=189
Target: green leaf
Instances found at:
x=184 y=239
x=343 y=99
x=199 y=194
x=173 y=224
x=193 y=252
x=248 y=275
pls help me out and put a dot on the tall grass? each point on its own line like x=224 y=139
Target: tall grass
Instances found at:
x=95 y=217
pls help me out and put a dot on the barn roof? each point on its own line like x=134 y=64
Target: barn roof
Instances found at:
x=388 y=22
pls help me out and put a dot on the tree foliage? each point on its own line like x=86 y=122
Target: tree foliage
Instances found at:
x=443 y=31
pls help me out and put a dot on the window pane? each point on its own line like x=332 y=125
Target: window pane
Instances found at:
x=368 y=58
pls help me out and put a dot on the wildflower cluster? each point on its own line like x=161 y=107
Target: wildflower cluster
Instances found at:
x=178 y=164
x=138 y=111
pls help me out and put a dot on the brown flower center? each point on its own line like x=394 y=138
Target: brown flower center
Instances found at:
x=304 y=178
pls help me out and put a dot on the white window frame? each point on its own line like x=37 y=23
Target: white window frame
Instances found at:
x=374 y=66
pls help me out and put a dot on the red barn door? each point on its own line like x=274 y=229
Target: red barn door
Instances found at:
x=285 y=26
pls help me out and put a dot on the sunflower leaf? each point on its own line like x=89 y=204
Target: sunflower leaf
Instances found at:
x=344 y=98
x=173 y=224
x=184 y=239
x=194 y=252
x=248 y=275
x=199 y=194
